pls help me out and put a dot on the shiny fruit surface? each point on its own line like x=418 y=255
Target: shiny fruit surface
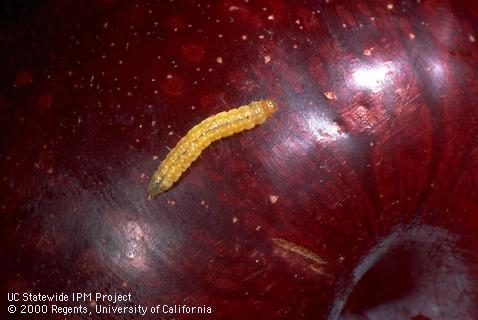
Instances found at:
x=357 y=199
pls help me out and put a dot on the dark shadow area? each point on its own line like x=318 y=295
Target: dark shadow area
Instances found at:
x=391 y=278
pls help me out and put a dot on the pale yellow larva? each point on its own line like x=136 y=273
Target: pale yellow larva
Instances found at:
x=215 y=127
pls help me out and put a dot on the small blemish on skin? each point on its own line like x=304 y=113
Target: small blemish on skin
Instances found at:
x=319 y=270
x=330 y=95
x=297 y=249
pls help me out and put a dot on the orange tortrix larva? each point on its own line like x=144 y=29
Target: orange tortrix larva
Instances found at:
x=215 y=127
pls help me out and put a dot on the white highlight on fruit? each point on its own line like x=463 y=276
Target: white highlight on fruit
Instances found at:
x=372 y=77
x=324 y=130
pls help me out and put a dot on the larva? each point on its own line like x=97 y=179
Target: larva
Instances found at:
x=215 y=127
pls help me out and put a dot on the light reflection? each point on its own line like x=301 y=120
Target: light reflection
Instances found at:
x=437 y=70
x=133 y=240
x=372 y=77
x=324 y=130
x=135 y=244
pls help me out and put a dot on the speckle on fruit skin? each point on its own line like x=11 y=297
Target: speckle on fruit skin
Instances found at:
x=273 y=198
x=330 y=95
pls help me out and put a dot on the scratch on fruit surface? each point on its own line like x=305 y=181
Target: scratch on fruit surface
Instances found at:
x=319 y=270
x=297 y=249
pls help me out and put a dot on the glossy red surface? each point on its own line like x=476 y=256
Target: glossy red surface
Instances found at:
x=356 y=200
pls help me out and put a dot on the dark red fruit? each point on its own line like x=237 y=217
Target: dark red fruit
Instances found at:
x=356 y=200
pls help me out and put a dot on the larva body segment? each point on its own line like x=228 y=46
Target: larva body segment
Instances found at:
x=218 y=126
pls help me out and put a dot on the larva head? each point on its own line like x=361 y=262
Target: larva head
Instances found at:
x=268 y=106
x=156 y=187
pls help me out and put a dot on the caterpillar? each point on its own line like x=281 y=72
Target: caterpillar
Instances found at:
x=213 y=128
